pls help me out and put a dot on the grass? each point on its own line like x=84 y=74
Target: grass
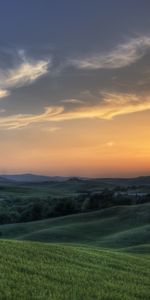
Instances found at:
x=66 y=188
x=62 y=272
x=101 y=255
x=116 y=227
x=45 y=189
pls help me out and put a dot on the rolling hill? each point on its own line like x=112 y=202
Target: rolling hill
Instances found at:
x=101 y=255
x=62 y=272
x=116 y=227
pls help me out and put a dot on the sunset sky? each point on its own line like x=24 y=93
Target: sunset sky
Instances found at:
x=75 y=87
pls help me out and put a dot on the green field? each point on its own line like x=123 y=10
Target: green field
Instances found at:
x=102 y=255
x=116 y=227
x=57 y=272
x=67 y=188
x=52 y=188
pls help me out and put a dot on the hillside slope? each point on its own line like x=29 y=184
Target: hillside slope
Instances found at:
x=50 y=271
x=117 y=227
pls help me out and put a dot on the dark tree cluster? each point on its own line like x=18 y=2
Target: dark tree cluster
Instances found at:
x=27 y=209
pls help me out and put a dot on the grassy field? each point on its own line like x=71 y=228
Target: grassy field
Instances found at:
x=67 y=188
x=116 y=227
x=45 y=189
x=63 y=272
x=101 y=255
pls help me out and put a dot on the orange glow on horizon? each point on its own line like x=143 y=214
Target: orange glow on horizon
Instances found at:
x=120 y=147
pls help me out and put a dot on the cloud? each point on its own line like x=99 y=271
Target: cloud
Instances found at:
x=2 y=110
x=4 y=93
x=51 y=129
x=112 y=105
x=110 y=144
x=72 y=101
x=25 y=73
x=24 y=120
x=121 y=56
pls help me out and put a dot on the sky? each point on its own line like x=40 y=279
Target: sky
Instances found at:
x=75 y=87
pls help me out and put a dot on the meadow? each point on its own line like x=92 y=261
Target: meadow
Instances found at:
x=32 y=201
x=115 y=227
x=63 y=272
x=95 y=255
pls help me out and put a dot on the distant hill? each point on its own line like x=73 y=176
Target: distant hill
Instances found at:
x=95 y=182
x=141 y=180
x=32 y=178
x=3 y=179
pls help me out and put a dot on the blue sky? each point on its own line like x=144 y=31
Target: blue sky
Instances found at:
x=62 y=30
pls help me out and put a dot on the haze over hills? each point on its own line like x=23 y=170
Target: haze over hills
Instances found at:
x=31 y=178
x=27 y=177
x=3 y=179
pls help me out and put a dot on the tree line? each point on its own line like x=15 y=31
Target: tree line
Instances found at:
x=25 y=209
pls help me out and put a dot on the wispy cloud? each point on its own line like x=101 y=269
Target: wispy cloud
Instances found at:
x=51 y=129
x=2 y=110
x=4 y=93
x=112 y=105
x=25 y=73
x=121 y=56
x=110 y=144
x=72 y=101
x=24 y=120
